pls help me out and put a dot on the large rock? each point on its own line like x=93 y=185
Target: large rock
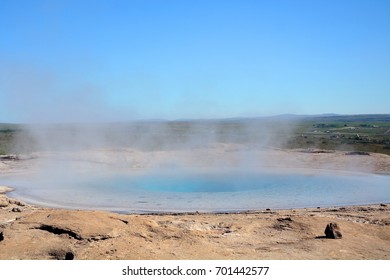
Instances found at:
x=333 y=231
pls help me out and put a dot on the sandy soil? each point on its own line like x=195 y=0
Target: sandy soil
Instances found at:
x=33 y=232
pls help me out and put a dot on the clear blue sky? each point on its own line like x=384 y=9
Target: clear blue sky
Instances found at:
x=122 y=60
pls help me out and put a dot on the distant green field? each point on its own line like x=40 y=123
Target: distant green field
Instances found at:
x=366 y=133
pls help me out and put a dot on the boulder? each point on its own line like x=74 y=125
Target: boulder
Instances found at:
x=333 y=231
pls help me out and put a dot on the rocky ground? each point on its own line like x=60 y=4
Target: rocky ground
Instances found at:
x=28 y=232
x=32 y=232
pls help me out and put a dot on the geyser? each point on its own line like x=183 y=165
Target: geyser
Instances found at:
x=223 y=190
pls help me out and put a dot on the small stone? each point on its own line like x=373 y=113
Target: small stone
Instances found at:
x=287 y=219
x=333 y=231
x=16 y=209
x=60 y=254
x=16 y=202
x=4 y=202
x=267 y=209
x=383 y=205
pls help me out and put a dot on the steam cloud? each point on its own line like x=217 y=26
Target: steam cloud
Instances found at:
x=71 y=130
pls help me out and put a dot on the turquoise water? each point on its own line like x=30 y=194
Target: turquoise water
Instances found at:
x=205 y=191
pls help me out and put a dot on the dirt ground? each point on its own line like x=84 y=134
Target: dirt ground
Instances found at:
x=33 y=232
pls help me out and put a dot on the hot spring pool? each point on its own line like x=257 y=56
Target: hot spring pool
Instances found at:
x=204 y=191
